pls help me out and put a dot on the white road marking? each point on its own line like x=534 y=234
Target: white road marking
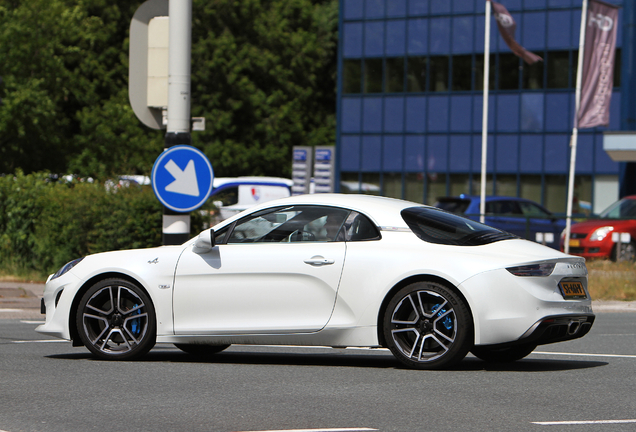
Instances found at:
x=31 y=322
x=584 y=354
x=39 y=341
x=318 y=430
x=585 y=422
x=11 y=310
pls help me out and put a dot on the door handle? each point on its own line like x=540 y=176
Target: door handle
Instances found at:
x=318 y=261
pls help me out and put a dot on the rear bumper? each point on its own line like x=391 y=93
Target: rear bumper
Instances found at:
x=551 y=329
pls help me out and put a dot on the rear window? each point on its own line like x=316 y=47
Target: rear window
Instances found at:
x=436 y=226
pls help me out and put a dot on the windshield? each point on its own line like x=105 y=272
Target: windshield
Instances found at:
x=623 y=209
x=436 y=226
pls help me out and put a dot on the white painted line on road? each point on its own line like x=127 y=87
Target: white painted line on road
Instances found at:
x=10 y=311
x=318 y=430
x=585 y=422
x=584 y=354
x=39 y=341
x=31 y=322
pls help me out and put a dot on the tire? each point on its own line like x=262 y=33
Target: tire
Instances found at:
x=200 y=349
x=428 y=326
x=116 y=320
x=503 y=355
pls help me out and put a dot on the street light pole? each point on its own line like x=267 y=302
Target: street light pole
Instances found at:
x=176 y=226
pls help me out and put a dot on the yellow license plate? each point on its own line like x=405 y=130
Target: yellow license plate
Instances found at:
x=572 y=290
x=575 y=243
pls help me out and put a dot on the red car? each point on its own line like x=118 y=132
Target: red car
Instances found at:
x=593 y=238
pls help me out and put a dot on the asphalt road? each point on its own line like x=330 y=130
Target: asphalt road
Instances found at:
x=50 y=386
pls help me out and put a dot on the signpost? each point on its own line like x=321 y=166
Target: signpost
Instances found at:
x=182 y=178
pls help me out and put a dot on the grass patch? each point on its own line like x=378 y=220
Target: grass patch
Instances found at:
x=612 y=280
x=13 y=274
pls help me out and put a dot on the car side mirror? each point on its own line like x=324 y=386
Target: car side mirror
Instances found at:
x=204 y=242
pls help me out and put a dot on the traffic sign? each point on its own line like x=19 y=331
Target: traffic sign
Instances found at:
x=182 y=178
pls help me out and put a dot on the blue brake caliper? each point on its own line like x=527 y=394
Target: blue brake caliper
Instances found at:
x=448 y=323
x=134 y=324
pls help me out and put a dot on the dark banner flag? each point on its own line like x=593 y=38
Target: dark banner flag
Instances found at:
x=598 y=65
x=507 y=27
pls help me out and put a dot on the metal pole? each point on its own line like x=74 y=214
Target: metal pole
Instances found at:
x=575 y=130
x=484 y=121
x=176 y=226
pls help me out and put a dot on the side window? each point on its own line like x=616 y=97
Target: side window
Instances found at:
x=502 y=208
x=291 y=225
x=531 y=210
x=360 y=228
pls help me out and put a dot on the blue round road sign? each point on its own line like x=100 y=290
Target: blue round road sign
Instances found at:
x=182 y=178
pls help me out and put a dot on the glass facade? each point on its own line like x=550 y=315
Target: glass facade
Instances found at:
x=410 y=102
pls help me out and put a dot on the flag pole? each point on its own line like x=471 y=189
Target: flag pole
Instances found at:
x=575 y=129
x=484 y=118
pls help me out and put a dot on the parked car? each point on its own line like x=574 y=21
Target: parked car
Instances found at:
x=327 y=270
x=593 y=238
x=518 y=216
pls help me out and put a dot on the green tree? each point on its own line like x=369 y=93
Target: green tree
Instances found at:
x=263 y=76
x=263 y=73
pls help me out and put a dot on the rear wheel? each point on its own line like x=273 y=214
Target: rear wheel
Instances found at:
x=427 y=326
x=503 y=355
x=201 y=350
x=116 y=320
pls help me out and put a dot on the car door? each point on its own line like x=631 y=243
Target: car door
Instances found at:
x=272 y=272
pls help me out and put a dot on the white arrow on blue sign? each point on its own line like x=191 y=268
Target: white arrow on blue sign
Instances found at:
x=182 y=178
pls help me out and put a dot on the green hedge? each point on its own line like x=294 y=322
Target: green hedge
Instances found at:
x=44 y=224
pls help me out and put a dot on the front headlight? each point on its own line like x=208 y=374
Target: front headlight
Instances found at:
x=543 y=270
x=66 y=267
x=600 y=233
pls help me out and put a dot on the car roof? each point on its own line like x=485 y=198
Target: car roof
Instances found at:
x=382 y=210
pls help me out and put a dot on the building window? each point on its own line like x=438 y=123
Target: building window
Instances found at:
x=459 y=184
x=506 y=185
x=373 y=76
x=558 y=65
x=556 y=195
x=352 y=76
x=395 y=75
x=349 y=183
x=532 y=75
x=439 y=74
x=508 y=72
x=479 y=72
x=414 y=187
x=462 y=73
x=370 y=184
x=436 y=187
x=392 y=185
x=416 y=74
x=530 y=187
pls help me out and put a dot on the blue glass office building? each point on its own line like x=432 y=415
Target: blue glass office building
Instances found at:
x=410 y=103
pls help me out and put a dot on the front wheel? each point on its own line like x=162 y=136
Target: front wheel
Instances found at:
x=116 y=320
x=428 y=326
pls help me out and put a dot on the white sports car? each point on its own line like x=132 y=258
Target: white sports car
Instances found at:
x=328 y=270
